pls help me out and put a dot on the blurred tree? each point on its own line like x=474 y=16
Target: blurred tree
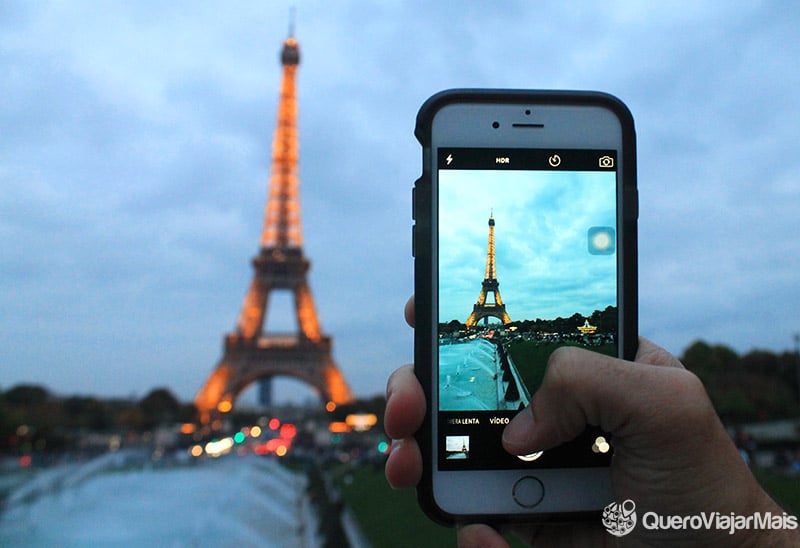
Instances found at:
x=86 y=412
x=733 y=405
x=158 y=407
x=756 y=386
x=761 y=362
x=453 y=326
x=26 y=394
x=790 y=371
x=726 y=359
x=605 y=320
x=698 y=358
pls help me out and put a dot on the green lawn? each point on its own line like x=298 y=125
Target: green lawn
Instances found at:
x=531 y=357
x=784 y=489
x=390 y=518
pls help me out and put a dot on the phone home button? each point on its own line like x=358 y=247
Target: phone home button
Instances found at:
x=528 y=492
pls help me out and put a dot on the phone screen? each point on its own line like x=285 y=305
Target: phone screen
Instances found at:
x=527 y=262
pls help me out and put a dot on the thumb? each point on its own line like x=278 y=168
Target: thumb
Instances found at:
x=581 y=387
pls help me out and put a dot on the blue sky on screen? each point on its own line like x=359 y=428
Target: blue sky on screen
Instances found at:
x=542 y=223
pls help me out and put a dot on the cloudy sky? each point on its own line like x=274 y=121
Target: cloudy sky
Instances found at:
x=135 y=153
x=541 y=236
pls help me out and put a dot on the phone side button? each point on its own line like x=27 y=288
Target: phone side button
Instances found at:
x=414 y=201
x=528 y=492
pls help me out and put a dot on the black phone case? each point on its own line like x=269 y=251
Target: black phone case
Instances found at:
x=422 y=199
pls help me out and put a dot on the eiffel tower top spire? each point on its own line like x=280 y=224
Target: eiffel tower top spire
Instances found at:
x=491 y=269
x=282 y=227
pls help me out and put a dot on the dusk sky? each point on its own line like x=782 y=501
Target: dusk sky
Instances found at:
x=135 y=144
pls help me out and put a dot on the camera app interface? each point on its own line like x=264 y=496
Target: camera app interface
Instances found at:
x=527 y=244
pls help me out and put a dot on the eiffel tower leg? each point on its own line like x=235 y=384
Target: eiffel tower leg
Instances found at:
x=251 y=318
x=306 y=313
x=338 y=391
x=213 y=392
x=473 y=317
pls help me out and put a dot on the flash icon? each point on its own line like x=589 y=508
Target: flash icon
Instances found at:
x=449 y=159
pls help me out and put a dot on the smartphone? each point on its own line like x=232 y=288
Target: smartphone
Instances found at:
x=524 y=241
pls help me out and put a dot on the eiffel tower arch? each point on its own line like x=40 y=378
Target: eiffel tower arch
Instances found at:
x=251 y=353
x=489 y=286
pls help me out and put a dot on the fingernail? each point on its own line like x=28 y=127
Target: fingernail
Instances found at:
x=395 y=446
x=519 y=431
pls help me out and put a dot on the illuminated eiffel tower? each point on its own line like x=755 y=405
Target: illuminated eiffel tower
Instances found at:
x=251 y=354
x=482 y=309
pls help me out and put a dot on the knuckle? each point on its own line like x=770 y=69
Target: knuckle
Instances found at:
x=560 y=367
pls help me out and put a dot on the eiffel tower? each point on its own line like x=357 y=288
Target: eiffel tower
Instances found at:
x=482 y=309
x=250 y=353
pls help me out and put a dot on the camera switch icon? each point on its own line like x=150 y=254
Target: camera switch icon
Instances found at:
x=605 y=162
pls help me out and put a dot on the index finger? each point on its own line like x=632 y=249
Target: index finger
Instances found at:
x=405 y=404
x=409 y=311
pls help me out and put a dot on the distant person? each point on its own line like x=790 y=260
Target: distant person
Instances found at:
x=672 y=454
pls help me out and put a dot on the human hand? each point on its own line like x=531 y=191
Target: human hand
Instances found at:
x=672 y=455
